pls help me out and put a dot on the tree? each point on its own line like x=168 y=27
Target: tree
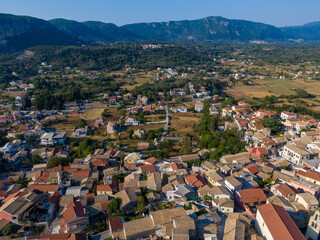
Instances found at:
x=272 y=123
x=302 y=93
x=187 y=89
x=35 y=159
x=114 y=205
x=23 y=182
x=57 y=161
x=186 y=145
x=26 y=102
x=207 y=198
x=10 y=229
x=141 y=204
x=82 y=123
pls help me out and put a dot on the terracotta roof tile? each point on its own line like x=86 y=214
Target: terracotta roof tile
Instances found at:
x=279 y=223
x=252 y=195
x=115 y=223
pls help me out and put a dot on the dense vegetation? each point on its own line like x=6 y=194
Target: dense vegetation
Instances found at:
x=221 y=143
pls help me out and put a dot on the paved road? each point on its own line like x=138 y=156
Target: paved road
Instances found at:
x=166 y=127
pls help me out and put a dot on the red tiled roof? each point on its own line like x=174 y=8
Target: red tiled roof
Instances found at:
x=104 y=188
x=259 y=151
x=58 y=236
x=82 y=173
x=286 y=190
x=176 y=166
x=148 y=168
x=310 y=174
x=252 y=169
x=104 y=205
x=131 y=166
x=252 y=195
x=279 y=223
x=54 y=198
x=74 y=210
x=195 y=180
x=115 y=223
x=99 y=161
x=266 y=164
x=151 y=160
x=269 y=141
x=44 y=187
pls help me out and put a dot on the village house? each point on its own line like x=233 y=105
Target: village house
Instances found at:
x=249 y=199
x=305 y=186
x=195 y=180
x=131 y=121
x=307 y=200
x=139 y=133
x=107 y=189
x=153 y=182
x=128 y=198
x=132 y=157
x=232 y=184
x=80 y=132
x=74 y=218
x=180 y=192
x=273 y=222
x=214 y=192
x=198 y=107
x=313 y=230
x=284 y=190
x=190 y=157
x=132 y=230
x=295 y=154
x=18 y=208
x=236 y=227
x=214 y=178
x=288 y=115
x=53 y=138
x=310 y=176
x=143 y=145
x=224 y=205
x=261 y=153
x=111 y=128
x=109 y=173
x=262 y=113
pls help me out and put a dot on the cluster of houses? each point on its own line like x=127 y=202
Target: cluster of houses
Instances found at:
x=254 y=197
x=18 y=85
x=270 y=191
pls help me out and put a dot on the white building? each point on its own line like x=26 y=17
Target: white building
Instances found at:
x=313 y=230
x=131 y=121
x=307 y=200
x=53 y=138
x=198 y=107
x=295 y=154
x=288 y=115
x=111 y=127
x=232 y=184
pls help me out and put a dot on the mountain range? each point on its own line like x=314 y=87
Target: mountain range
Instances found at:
x=20 y=32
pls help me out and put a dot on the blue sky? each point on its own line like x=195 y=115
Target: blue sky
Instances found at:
x=275 y=12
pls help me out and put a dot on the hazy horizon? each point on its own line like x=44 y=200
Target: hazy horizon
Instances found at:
x=284 y=13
